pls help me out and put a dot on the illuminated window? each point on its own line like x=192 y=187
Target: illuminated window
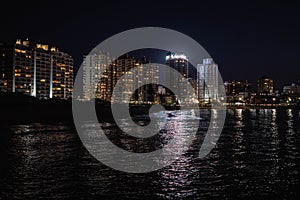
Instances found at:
x=17 y=74
x=26 y=43
x=60 y=64
x=20 y=51
x=27 y=75
x=43 y=80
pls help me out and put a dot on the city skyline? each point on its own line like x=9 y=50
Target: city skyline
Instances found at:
x=247 y=39
x=36 y=70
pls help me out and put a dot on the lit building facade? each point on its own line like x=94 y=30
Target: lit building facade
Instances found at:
x=237 y=91
x=293 y=89
x=235 y=87
x=208 y=80
x=144 y=94
x=265 y=86
x=147 y=72
x=104 y=73
x=95 y=65
x=179 y=62
x=194 y=84
x=37 y=70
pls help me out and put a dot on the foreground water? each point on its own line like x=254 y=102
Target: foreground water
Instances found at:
x=257 y=155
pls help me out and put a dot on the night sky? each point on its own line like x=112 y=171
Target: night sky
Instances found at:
x=247 y=39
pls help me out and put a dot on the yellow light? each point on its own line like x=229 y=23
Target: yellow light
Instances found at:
x=45 y=47
x=61 y=64
x=42 y=46
x=27 y=75
x=20 y=51
x=43 y=80
x=17 y=74
x=26 y=43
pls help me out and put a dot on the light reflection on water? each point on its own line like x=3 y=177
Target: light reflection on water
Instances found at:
x=256 y=156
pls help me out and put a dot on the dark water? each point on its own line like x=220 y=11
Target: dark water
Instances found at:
x=257 y=156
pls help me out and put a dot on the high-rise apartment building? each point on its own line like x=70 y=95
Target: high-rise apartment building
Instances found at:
x=208 y=80
x=179 y=62
x=95 y=65
x=36 y=69
x=265 y=85
x=101 y=74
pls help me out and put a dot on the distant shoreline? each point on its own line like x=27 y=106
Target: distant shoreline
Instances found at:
x=17 y=109
x=62 y=112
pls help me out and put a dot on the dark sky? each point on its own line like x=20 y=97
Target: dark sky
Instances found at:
x=248 y=39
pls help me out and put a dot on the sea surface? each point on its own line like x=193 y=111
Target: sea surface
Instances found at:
x=256 y=156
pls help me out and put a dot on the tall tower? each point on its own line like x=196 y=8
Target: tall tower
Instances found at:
x=179 y=62
x=61 y=74
x=207 y=75
x=95 y=65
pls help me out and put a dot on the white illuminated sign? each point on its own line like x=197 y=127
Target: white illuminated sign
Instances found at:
x=176 y=56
